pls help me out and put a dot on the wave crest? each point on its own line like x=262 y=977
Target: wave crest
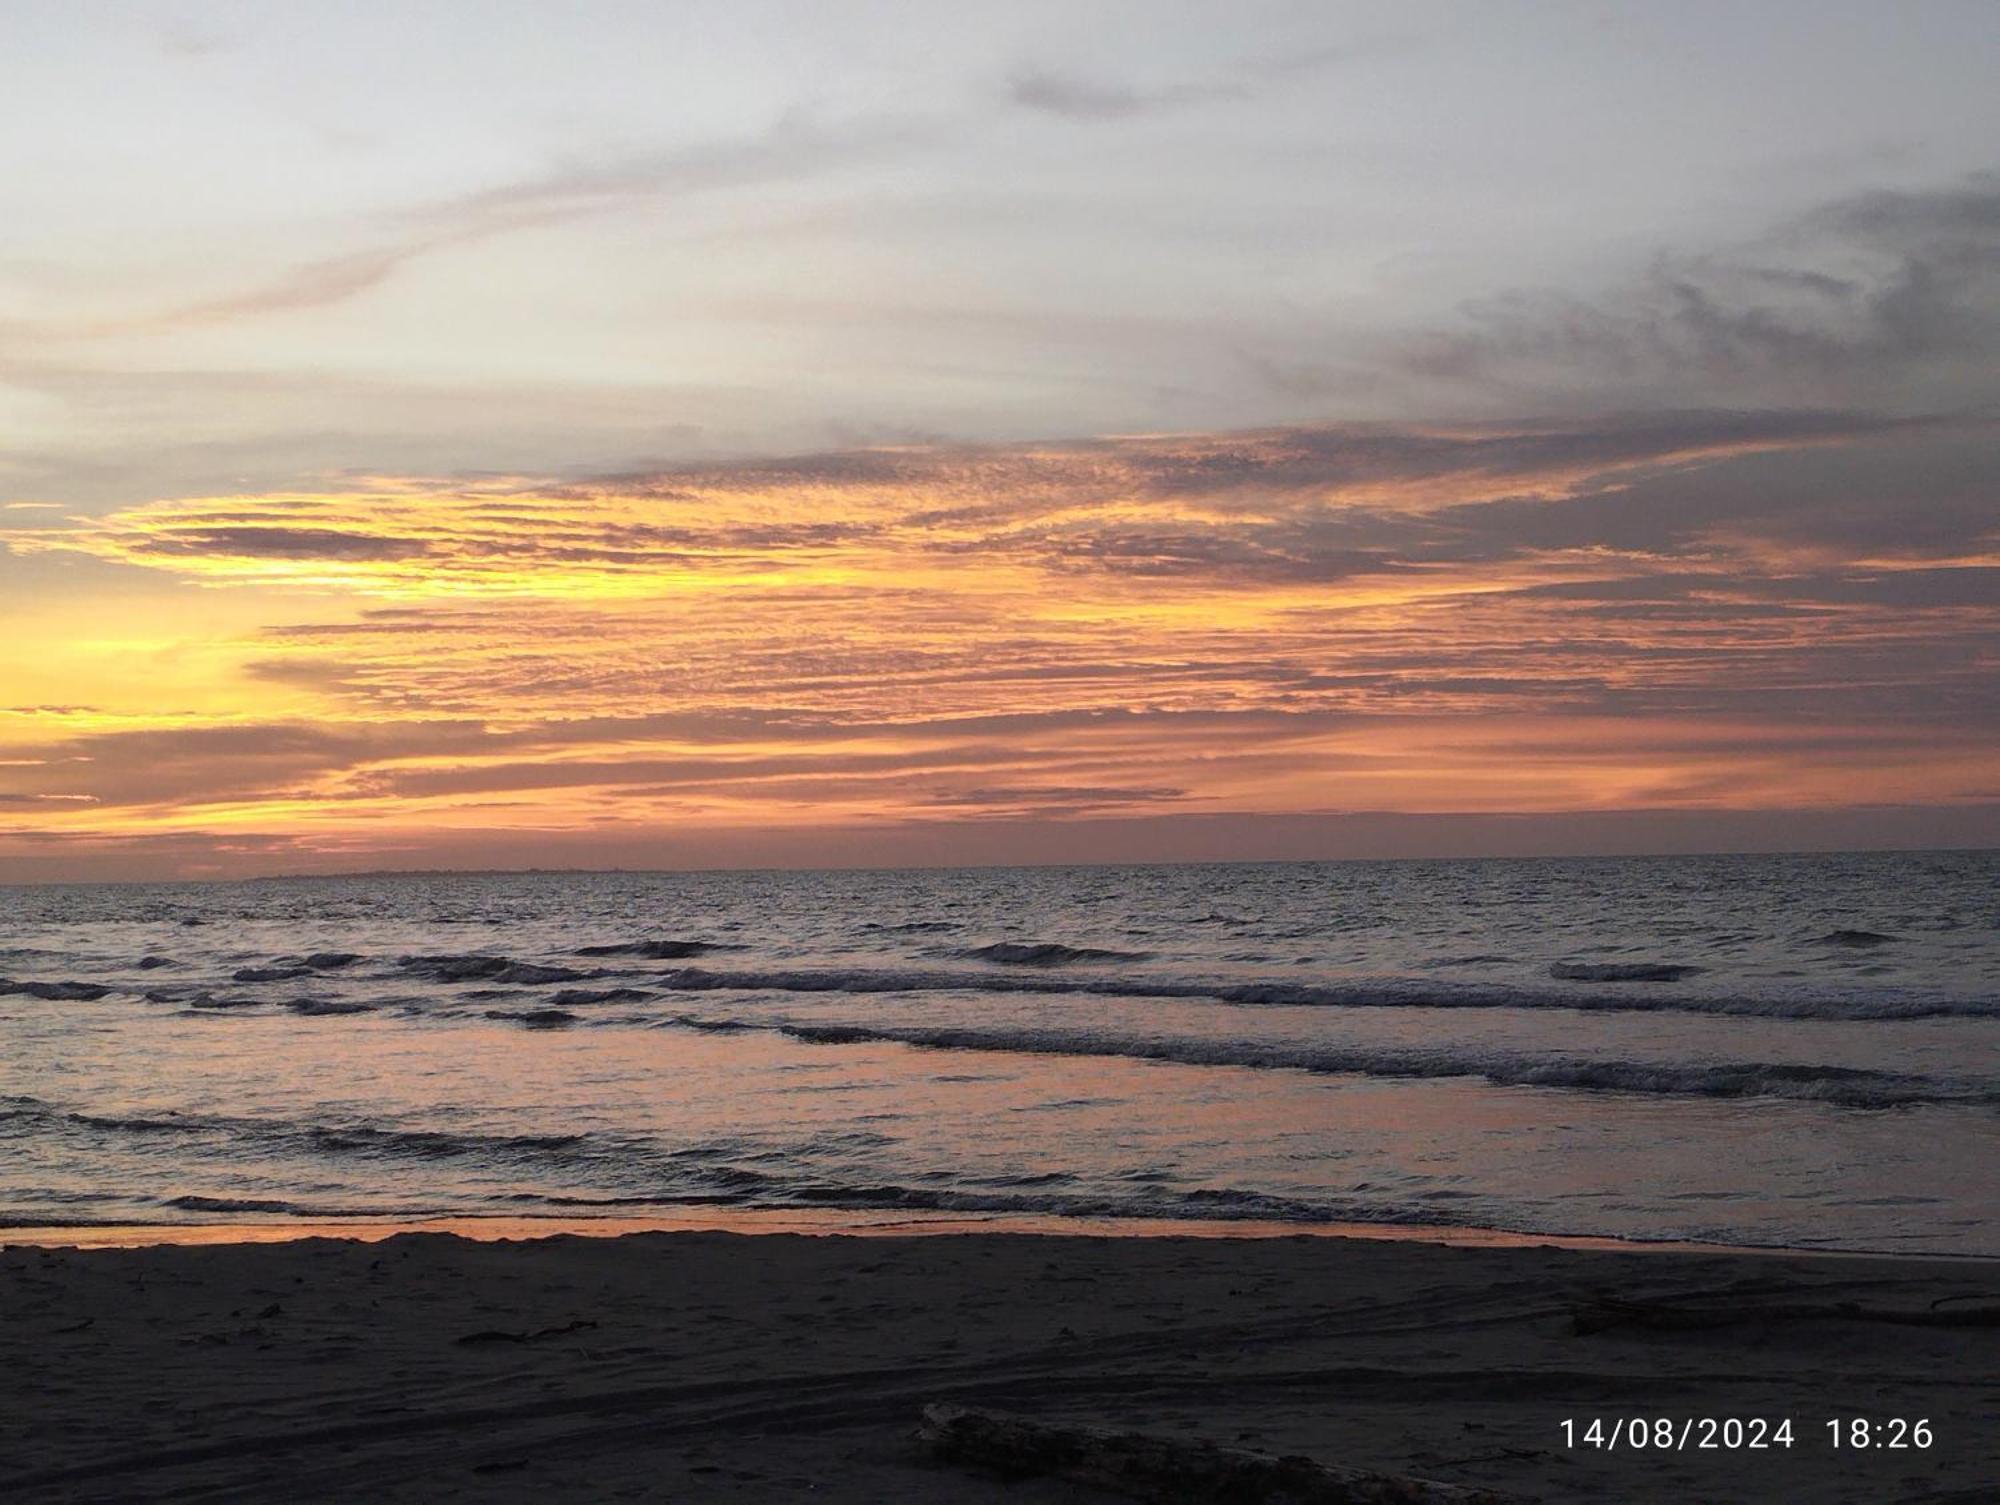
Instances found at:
x=1845 y=1086
x=1048 y=954
x=1367 y=992
x=1624 y=971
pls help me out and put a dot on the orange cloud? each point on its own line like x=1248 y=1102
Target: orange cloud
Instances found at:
x=1518 y=620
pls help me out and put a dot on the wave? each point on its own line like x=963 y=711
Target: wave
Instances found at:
x=639 y=1169
x=270 y=974
x=657 y=950
x=230 y=1204
x=482 y=968
x=1624 y=971
x=290 y=967
x=1036 y=1197
x=1582 y=986
x=1048 y=954
x=61 y=992
x=362 y=1139
x=33 y=1111
x=425 y=1144
x=534 y=1018
x=1368 y=992
x=574 y=997
x=1052 y=1194
x=1028 y=1196
x=1041 y=967
x=295 y=1209
x=1032 y=1196
x=1844 y=1086
x=606 y=1169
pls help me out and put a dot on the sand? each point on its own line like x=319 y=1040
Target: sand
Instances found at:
x=718 y=1366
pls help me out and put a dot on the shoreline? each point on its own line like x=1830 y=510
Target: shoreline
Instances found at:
x=855 y=1223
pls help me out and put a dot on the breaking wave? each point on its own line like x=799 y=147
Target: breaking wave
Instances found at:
x=1033 y=969
x=1846 y=1086
x=1373 y=992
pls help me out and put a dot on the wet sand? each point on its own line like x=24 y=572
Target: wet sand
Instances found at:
x=724 y=1366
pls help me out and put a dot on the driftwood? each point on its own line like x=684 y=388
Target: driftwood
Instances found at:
x=1601 y=1312
x=1143 y=1467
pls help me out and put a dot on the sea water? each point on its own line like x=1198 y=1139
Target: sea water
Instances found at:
x=1791 y=1050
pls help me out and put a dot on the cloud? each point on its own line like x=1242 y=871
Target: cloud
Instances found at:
x=1884 y=303
x=1304 y=504
x=1961 y=219
x=1077 y=98
x=794 y=149
x=1708 y=609
x=283 y=543
x=1907 y=492
x=1888 y=292
x=192 y=765
x=1073 y=95
x=1044 y=800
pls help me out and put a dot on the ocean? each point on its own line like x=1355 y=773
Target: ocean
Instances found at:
x=1771 y=1050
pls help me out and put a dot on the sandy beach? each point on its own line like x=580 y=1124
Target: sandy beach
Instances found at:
x=706 y=1365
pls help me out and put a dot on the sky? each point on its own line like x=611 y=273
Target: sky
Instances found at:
x=705 y=435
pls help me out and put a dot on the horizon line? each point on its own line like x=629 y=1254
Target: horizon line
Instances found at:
x=954 y=867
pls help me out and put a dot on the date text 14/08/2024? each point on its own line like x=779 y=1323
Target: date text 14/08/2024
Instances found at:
x=1733 y=1433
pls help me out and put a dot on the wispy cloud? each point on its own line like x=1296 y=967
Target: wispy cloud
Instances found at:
x=1079 y=98
x=1074 y=94
x=795 y=149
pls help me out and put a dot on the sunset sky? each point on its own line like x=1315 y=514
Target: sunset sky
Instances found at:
x=742 y=434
